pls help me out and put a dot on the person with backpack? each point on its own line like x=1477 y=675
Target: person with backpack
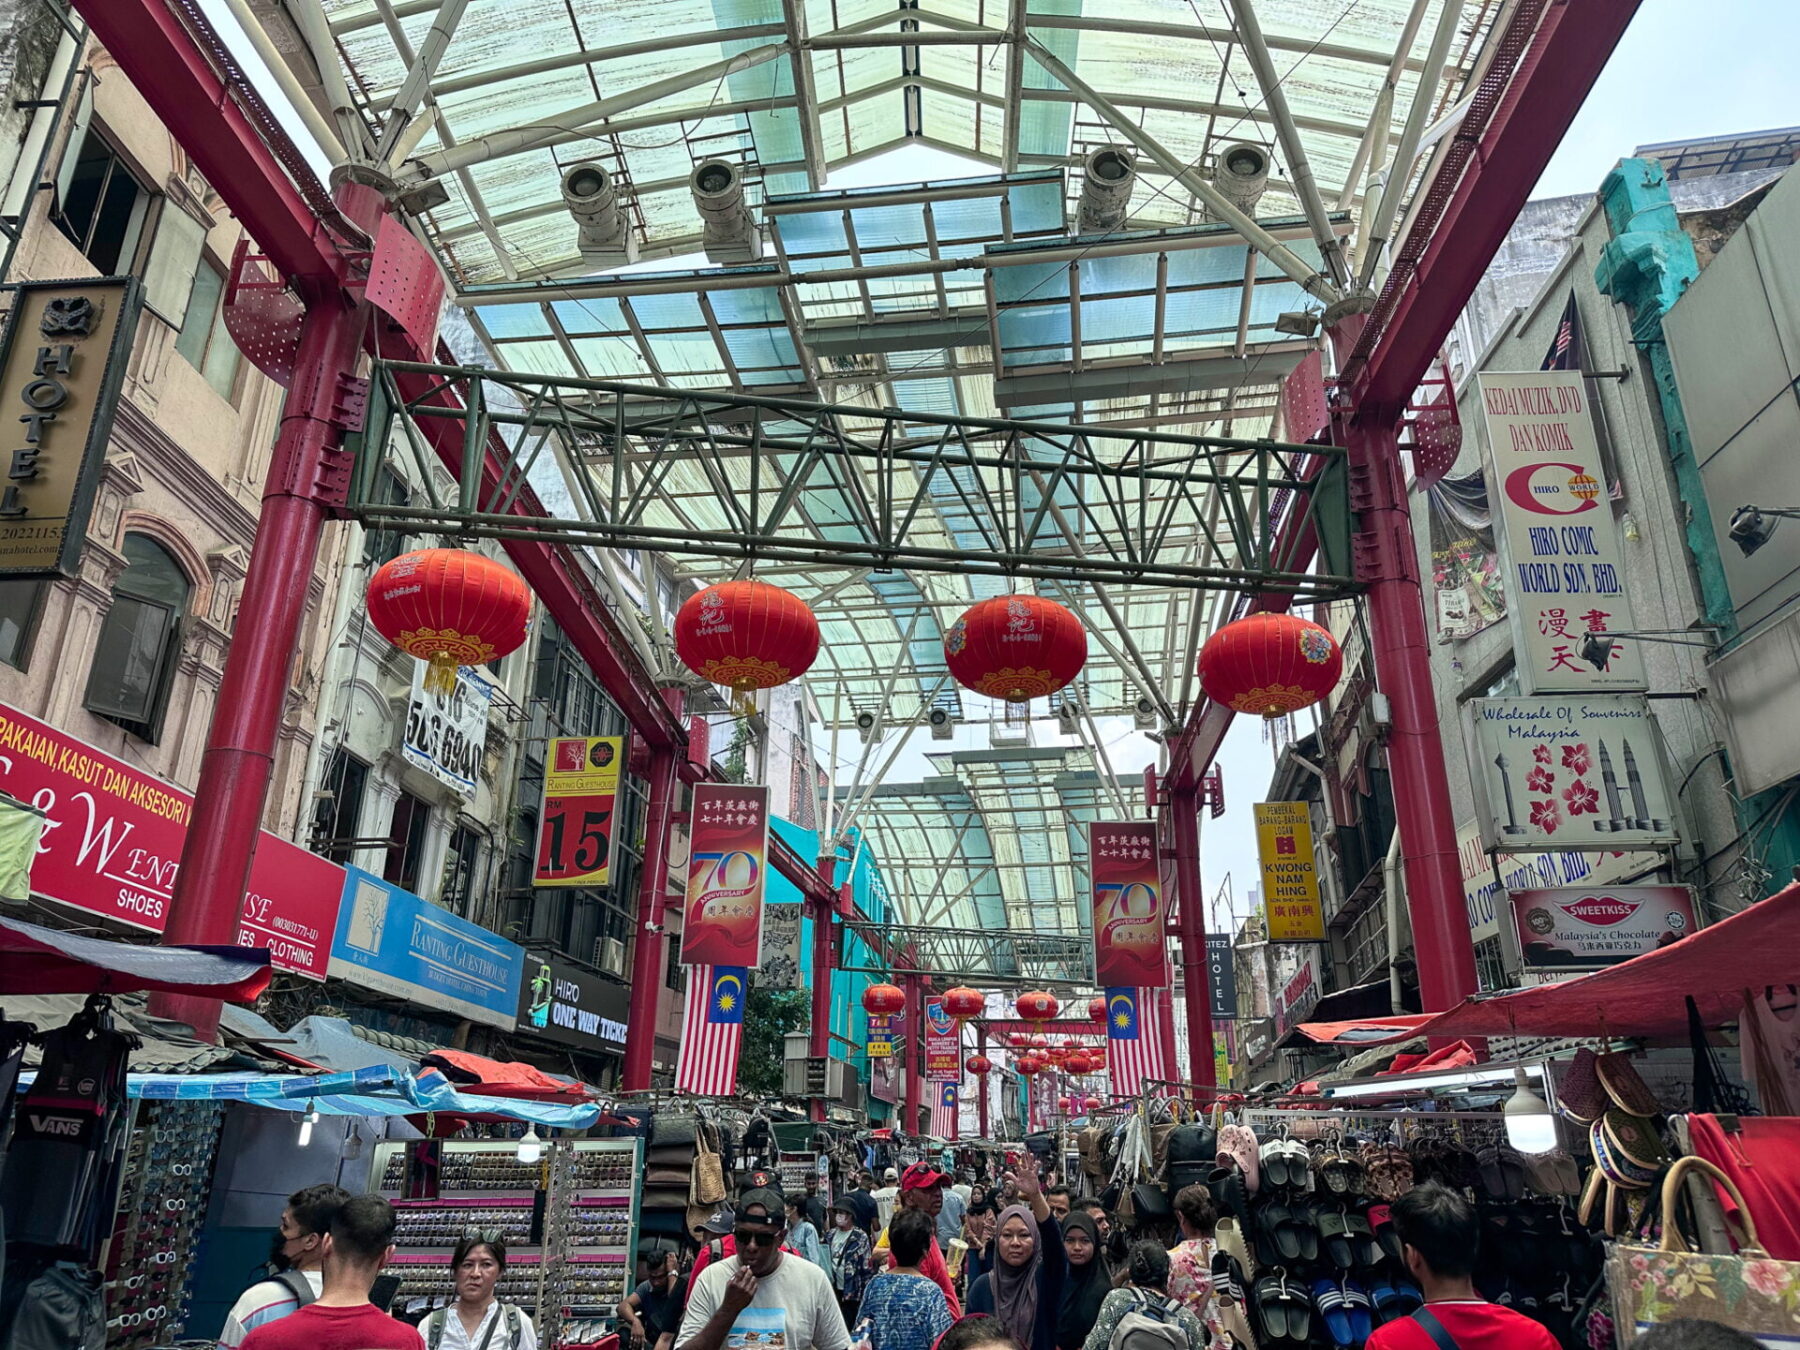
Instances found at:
x=903 y=1309
x=478 y=1320
x=297 y=1258
x=1023 y=1289
x=1142 y=1315
x=1088 y=1284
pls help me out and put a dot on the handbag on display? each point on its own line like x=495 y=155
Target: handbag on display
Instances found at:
x=674 y=1127
x=1747 y=1290
x=707 y=1183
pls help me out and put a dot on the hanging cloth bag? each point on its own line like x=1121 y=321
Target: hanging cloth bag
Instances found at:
x=707 y=1184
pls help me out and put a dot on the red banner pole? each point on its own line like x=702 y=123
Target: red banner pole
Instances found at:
x=818 y=1044
x=981 y=1084
x=649 y=942
x=1196 y=978
x=915 y=1053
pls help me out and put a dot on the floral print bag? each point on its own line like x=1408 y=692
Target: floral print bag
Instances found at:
x=1748 y=1290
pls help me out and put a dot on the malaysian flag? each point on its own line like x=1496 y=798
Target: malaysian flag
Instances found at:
x=943 y=1111
x=1134 y=1050
x=1566 y=347
x=712 y=1031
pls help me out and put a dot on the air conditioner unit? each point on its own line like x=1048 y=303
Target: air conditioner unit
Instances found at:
x=609 y=955
x=1374 y=717
x=814 y=1077
x=943 y=726
x=868 y=726
x=1143 y=714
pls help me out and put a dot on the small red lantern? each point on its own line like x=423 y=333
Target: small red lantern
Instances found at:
x=1062 y=1104
x=881 y=999
x=1029 y=1065
x=746 y=635
x=1037 y=1006
x=449 y=608
x=1078 y=1063
x=964 y=1002
x=1097 y=1010
x=1057 y=1056
x=978 y=1064
x=1270 y=664
x=1092 y=1103
x=1039 y=1043
x=1015 y=647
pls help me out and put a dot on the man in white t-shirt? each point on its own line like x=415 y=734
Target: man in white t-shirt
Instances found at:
x=886 y=1198
x=762 y=1298
x=300 y=1246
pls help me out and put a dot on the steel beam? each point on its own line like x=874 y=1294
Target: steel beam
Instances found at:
x=416 y=86
x=648 y=941
x=1196 y=974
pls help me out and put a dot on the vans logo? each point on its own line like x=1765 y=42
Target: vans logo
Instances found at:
x=62 y=1126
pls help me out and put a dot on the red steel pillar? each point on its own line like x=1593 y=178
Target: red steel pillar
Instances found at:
x=819 y=1041
x=1196 y=976
x=240 y=745
x=981 y=1084
x=915 y=1052
x=1388 y=561
x=648 y=948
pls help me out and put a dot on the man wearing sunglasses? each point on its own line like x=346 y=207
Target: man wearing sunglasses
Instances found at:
x=762 y=1298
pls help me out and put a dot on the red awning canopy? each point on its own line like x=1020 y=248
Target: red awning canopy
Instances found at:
x=497 y=1078
x=1644 y=997
x=38 y=960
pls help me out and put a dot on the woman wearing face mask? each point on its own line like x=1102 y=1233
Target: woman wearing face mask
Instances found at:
x=1024 y=1288
x=478 y=1320
x=1089 y=1281
x=849 y=1249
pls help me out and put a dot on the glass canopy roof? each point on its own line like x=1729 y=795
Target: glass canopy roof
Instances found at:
x=974 y=297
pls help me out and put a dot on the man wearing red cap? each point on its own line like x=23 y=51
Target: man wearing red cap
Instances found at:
x=922 y=1188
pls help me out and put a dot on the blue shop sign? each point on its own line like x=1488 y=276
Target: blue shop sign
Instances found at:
x=391 y=941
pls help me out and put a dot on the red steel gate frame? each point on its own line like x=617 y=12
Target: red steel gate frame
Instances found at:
x=1517 y=118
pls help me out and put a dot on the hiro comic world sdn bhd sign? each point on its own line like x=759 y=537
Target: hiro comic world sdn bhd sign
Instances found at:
x=1565 y=572
x=62 y=361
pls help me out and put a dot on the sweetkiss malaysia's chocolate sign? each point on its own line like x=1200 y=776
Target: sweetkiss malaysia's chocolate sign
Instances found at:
x=1582 y=927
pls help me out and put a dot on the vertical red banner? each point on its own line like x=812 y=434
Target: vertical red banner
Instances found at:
x=727 y=864
x=1129 y=912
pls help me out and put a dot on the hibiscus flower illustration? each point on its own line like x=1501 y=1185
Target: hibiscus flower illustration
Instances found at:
x=1576 y=757
x=1545 y=816
x=1581 y=799
x=1541 y=753
x=1539 y=779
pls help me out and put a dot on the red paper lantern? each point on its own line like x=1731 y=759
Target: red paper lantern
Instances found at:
x=1092 y=1103
x=1057 y=1056
x=1039 y=1043
x=1097 y=1010
x=964 y=1002
x=883 y=998
x=1062 y=1104
x=1015 y=647
x=1036 y=1006
x=1078 y=1063
x=978 y=1064
x=449 y=608
x=746 y=635
x=1270 y=664
x=1029 y=1065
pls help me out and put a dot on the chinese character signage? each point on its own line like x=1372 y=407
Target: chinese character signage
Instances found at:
x=1290 y=887
x=61 y=366
x=881 y=1035
x=446 y=734
x=727 y=852
x=1582 y=927
x=391 y=941
x=112 y=839
x=1128 y=904
x=1569 y=773
x=943 y=1044
x=581 y=788
x=1564 y=570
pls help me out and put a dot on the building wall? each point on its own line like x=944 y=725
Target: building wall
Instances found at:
x=186 y=460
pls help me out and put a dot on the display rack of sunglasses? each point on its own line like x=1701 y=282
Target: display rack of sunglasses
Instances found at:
x=166 y=1180
x=569 y=1222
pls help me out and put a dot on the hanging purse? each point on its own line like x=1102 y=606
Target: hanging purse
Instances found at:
x=1749 y=1291
x=707 y=1185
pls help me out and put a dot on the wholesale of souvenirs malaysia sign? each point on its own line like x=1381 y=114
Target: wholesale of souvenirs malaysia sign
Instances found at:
x=112 y=844
x=1565 y=574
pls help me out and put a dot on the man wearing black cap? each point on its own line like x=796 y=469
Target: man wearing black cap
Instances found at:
x=762 y=1298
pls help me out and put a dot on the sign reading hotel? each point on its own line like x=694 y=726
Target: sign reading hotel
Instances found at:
x=1290 y=887
x=61 y=364
x=943 y=1044
x=112 y=839
x=1128 y=904
x=1565 y=575
x=1584 y=927
x=727 y=863
x=1569 y=773
x=581 y=788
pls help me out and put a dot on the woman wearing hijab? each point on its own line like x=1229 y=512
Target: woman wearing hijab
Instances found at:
x=1024 y=1289
x=1088 y=1282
